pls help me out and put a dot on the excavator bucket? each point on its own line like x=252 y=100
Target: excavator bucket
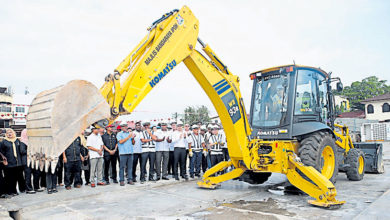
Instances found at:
x=58 y=116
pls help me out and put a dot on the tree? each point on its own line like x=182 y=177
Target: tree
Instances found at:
x=367 y=88
x=193 y=114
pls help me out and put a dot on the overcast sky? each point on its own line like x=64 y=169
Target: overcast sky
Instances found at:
x=44 y=44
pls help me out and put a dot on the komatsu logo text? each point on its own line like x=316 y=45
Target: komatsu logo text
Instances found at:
x=163 y=73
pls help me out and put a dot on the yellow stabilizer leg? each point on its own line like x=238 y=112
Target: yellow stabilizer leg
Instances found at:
x=212 y=182
x=320 y=188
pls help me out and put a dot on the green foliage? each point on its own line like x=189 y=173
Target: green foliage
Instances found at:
x=361 y=90
x=196 y=114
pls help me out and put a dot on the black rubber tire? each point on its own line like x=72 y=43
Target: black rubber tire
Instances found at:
x=352 y=160
x=254 y=178
x=311 y=147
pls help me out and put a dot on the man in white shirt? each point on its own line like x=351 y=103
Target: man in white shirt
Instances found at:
x=171 y=150
x=137 y=153
x=225 y=151
x=196 y=146
x=162 y=151
x=95 y=146
x=179 y=140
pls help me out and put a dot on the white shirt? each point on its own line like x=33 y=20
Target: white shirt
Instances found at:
x=221 y=132
x=179 y=141
x=196 y=142
x=162 y=145
x=186 y=140
x=94 y=141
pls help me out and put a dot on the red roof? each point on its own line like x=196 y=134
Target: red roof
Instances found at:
x=353 y=114
x=378 y=98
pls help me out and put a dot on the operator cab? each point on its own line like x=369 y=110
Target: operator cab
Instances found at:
x=290 y=101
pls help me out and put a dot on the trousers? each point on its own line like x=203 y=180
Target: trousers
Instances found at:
x=162 y=157
x=126 y=161
x=110 y=160
x=72 y=173
x=96 y=169
x=179 y=156
x=195 y=162
x=136 y=160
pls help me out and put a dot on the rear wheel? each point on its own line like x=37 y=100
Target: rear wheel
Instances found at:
x=319 y=151
x=356 y=162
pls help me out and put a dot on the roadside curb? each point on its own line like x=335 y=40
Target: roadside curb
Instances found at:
x=379 y=209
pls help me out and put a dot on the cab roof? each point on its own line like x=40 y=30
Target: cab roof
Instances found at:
x=298 y=66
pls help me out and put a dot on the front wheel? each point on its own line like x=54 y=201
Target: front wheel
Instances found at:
x=356 y=162
x=319 y=151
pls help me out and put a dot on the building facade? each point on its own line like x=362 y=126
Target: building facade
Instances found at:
x=378 y=108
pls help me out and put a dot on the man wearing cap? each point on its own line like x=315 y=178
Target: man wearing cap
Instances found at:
x=188 y=131
x=110 y=155
x=205 y=160
x=225 y=151
x=137 y=149
x=162 y=151
x=196 y=145
x=216 y=142
x=95 y=146
x=179 y=139
x=125 y=147
x=171 y=150
x=148 y=152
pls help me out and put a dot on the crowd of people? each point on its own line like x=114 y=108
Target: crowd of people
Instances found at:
x=160 y=151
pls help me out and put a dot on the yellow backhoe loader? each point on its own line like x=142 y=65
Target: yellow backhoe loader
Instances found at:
x=279 y=142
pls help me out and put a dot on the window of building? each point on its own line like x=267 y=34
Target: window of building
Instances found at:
x=5 y=108
x=370 y=109
x=19 y=109
x=385 y=107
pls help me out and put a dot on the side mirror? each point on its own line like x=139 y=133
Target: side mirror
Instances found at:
x=339 y=86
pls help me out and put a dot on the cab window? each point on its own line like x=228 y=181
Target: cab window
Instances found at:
x=306 y=93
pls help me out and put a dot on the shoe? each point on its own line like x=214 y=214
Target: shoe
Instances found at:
x=130 y=182
x=54 y=190
x=142 y=181
x=87 y=184
x=40 y=190
x=158 y=178
x=152 y=179
x=49 y=191
x=23 y=191
x=61 y=184
x=93 y=185
x=177 y=178
x=165 y=178
x=186 y=177
x=115 y=181
x=30 y=192
x=122 y=183
x=107 y=183
x=101 y=184
x=197 y=175
x=134 y=180
x=68 y=188
x=78 y=186
x=192 y=176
